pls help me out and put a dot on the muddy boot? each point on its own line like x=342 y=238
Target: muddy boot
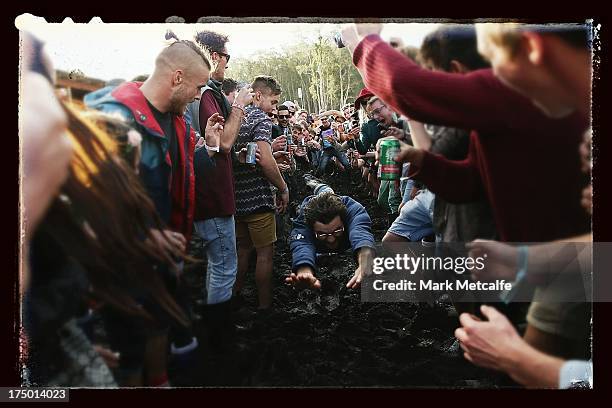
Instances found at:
x=220 y=327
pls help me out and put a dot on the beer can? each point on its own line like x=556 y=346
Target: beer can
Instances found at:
x=250 y=154
x=389 y=168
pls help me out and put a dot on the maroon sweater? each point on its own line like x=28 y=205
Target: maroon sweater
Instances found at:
x=215 y=189
x=526 y=163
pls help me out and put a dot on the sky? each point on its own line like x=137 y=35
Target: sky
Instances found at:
x=107 y=51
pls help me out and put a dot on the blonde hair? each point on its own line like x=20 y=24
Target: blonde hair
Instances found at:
x=506 y=36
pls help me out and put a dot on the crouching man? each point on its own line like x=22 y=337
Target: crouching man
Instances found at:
x=326 y=223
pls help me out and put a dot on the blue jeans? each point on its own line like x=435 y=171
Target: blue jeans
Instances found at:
x=326 y=156
x=415 y=220
x=219 y=236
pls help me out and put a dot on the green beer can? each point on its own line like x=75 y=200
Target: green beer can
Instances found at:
x=389 y=168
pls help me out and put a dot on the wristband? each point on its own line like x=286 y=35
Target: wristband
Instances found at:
x=237 y=105
x=507 y=296
x=212 y=148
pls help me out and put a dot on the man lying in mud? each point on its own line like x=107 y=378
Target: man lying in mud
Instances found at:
x=327 y=222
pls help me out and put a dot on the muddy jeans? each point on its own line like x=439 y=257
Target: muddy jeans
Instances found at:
x=327 y=155
x=389 y=197
x=219 y=236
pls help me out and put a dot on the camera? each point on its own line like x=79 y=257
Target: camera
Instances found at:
x=338 y=40
x=352 y=122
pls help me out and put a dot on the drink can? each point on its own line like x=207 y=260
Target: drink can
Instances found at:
x=250 y=154
x=389 y=168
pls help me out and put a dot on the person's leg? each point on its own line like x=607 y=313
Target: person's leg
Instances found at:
x=222 y=258
x=383 y=196
x=263 y=275
x=262 y=230
x=155 y=359
x=126 y=335
x=244 y=248
x=406 y=190
x=395 y=198
x=343 y=160
x=391 y=237
x=325 y=157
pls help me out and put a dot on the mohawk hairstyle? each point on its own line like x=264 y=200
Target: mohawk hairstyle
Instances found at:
x=170 y=35
x=266 y=82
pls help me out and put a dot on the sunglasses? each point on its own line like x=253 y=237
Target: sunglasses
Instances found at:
x=323 y=235
x=284 y=116
x=272 y=115
x=227 y=56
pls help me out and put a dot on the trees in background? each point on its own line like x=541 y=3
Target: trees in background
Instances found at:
x=324 y=72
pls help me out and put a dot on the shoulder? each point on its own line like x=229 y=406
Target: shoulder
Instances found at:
x=258 y=118
x=352 y=204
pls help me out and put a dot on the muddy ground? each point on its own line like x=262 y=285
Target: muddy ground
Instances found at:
x=331 y=338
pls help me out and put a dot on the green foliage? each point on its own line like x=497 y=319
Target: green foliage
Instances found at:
x=325 y=73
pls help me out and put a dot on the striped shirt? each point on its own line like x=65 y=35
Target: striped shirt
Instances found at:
x=254 y=193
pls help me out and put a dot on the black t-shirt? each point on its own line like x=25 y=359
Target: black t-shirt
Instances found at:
x=278 y=130
x=166 y=122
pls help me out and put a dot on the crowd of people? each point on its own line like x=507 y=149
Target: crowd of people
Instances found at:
x=491 y=124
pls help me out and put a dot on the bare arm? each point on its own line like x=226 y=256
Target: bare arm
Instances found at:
x=233 y=122
x=230 y=131
x=420 y=137
x=269 y=167
x=532 y=368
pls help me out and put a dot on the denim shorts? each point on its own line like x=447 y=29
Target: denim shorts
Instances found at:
x=415 y=219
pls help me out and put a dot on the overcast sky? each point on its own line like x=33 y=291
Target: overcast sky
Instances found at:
x=108 y=51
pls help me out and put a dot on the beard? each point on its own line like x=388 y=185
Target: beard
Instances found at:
x=177 y=106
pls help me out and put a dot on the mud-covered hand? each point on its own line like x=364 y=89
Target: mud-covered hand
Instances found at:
x=303 y=278
x=365 y=260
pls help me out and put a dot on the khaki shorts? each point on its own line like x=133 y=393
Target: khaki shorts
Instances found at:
x=570 y=320
x=260 y=229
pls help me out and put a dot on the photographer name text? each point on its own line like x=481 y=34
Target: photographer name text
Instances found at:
x=406 y=285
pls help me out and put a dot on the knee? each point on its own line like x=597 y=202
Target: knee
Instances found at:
x=265 y=253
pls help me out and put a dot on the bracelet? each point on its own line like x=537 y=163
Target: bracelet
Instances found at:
x=237 y=105
x=286 y=190
x=212 y=148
